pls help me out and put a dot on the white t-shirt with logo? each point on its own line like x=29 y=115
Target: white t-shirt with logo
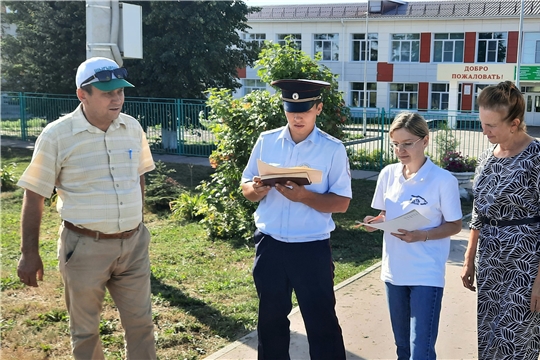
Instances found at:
x=434 y=193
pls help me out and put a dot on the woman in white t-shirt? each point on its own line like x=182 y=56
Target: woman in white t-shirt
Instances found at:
x=413 y=262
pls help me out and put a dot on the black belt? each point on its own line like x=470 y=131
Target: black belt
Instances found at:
x=495 y=222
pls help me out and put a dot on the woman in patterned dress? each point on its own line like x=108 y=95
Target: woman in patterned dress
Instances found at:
x=505 y=230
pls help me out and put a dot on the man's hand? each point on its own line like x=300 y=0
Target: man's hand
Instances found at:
x=30 y=269
x=259 y=188
x=292 y=191
x=255 y=190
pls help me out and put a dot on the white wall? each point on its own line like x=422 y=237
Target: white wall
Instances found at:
x=349 y=71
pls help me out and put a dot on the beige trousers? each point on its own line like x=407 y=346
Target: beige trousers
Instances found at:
x=123 y=267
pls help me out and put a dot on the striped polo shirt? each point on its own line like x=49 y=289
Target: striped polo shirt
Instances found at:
x=96 y=173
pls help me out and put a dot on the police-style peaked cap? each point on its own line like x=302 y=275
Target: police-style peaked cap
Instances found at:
x=299 y=95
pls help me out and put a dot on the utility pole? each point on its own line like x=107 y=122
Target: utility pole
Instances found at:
x=520 y=43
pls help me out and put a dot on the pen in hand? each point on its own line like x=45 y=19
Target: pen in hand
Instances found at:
x=360 y=224
x=378 y=217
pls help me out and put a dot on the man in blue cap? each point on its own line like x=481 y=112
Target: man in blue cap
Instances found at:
x=294 y=222
x=96 y=158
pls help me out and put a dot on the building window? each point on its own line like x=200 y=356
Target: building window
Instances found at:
x=250 y=85
x=531 y=48
x=258 y=38
x=328 y=45
x=403 y=96
x=296 y=40
x=357 y=94
x=360 y=46
x=440 y=93
x=491 y=47
x=448 y=47
x=477 y=89
x=405 y=47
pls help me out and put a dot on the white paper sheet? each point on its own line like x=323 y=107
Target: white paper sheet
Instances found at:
x=266 y=169
x=410 y=221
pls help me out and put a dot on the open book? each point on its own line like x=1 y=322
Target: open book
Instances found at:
x=301 y=175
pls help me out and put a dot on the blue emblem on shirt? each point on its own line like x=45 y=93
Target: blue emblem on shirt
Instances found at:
x=418 y=200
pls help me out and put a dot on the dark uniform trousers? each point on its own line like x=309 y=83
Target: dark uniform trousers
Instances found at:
x=308 y=269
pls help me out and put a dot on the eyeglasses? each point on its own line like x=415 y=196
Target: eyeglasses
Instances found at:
x=106 y=75
x=404 y=146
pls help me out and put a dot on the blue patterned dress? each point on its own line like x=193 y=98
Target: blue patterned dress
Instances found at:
x=507 y=257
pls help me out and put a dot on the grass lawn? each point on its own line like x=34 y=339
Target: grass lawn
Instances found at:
x=202 y=290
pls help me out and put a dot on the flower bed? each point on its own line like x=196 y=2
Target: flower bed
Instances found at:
x=454 y=161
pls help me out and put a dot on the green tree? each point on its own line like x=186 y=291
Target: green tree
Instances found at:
x=191 y=46
x=237 y=123
x=48 y=48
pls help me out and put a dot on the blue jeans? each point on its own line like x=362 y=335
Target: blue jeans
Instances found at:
x=414 y=314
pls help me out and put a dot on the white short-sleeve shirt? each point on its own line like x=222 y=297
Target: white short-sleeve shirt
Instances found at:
x=290 y=221
x=434 y=193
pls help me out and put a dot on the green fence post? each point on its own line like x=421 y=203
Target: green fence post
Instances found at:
x=180 y=126
x=22 y=112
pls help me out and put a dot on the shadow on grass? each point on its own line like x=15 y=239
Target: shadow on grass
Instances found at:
x=15 y=153
x=223 y=326
x=355 y=246
x=189 y=175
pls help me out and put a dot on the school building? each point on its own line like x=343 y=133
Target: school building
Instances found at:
x=426 y=56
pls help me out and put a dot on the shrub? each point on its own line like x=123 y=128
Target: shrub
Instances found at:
x=236 y=124
x=188 y=207
x=445 y=142
x=365 y=159
x=9 y=181
x=160 y=188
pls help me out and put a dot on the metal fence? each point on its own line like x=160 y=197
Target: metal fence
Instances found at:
x=368 y=143
x=172 y=126
x=24 y=115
